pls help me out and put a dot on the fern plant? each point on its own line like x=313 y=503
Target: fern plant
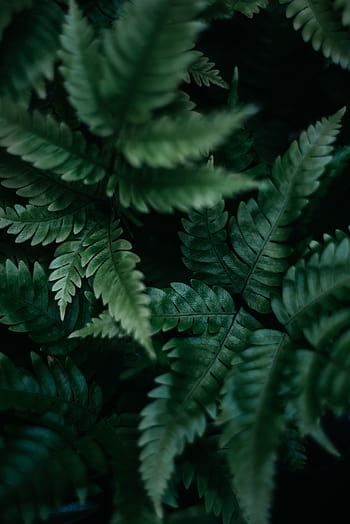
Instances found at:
x=100 y=137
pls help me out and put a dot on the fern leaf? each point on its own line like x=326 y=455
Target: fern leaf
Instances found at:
x=167 y=142
x=39 y=225
x=258 y=235
x=184 y=397
x=345 y=6
x=314 y=304
x=102 y=326
x=50 y=386
x=22 y=65
x=204 y=244
x=313 y=286
x=213 y=479
x=25 y=307
x=184 y=188
x=204 y=73
x=146 y=55
x=196 y=307
x=320 y=24
x=43 y=188
x=81 y=70
x=253 y=417
x=67 y=270
x=107 y=257
x=46 y=144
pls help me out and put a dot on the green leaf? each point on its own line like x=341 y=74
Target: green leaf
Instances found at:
x=185 y=396
x=321 y=25
x=170 y=141
x=47 y=144
x=183 y=188
x=146 y=55
x=253 y=418
x=204 y=244
x=81 y=69
x=107 y=257
x=43 y=188
x=67 y=270
x=204 y=73
x=9 y=9
x=258 y=236
x=102 y=326
x=41 y=226
x=227 y=8
x=196 y=307
x=25 y=306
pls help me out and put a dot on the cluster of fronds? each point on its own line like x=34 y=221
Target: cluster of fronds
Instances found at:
x=95 y=130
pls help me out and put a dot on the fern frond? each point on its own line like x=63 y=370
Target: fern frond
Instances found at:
x=81 y=69
x=321 y=25
x=213 y=479
x=50 y=385
x=146 y=55
x=25 y=306
x=204 y=73
x=253 y=416
x=204 y=244
x=196 y=307
x=345 y=7
x=315 y=305
x=28 y=48
x=108 y=258
x=170 y=141
x=47 y=144
x=67 y=270
x=41 y=226
x=184 y=188
x=43 y=188
x=102 y=326
x=258 y=235
x=318 y=284
x=184 y=397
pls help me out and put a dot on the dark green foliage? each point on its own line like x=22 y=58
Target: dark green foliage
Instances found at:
x=247 y=340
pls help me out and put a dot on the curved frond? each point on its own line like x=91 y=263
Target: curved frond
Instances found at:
x=183 y=188
x=146 y=55
x=253 y=418
x=196 y=307
x=321 y=24
x=203 y=72
x=108 y=258
x=185 y=396
x=43 y=188
x=47 y=144
x=102 y=326
x=258 y=236
x=25 y=306
x=41 y=226
x=170 y=141
x=81 y=70
x=67 y=270
x=28 y=48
